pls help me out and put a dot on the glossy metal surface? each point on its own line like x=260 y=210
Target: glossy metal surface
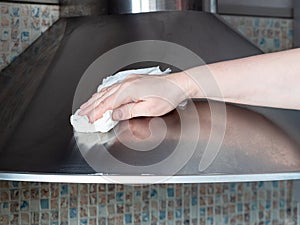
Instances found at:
x=140 y=6
x=99 y=178
x=259 y=143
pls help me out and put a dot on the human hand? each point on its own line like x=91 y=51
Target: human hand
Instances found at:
x=138 y=95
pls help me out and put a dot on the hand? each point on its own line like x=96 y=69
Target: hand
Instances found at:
x=138 y=95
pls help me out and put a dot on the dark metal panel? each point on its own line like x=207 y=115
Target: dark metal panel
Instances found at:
x=296 y=23
x=272 y=8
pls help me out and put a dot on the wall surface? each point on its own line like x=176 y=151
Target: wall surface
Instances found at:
x=269 y=34
x=25 y=203
x=258 y=203
x=20 y=26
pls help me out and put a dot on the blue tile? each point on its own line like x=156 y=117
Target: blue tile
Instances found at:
x=253 y=206
x=64 y=190
x=210 y=221
x=225 y=219
x=145 y=217
x=232 y=187
x=270 y=23
x=268 y=204
x=137 y=193
x=178 y=213
x=277 y=43
x=119 y=196
x=4 y=205
x=25 y=36
x=44 y=203
x=281 y=203
x=35 y=12
x=202 y=211
x=170 y=192
x=73 y=213
x=217 y=199
x=83 y=222
x=54 y=223
x=15 y=183
x=275 y=184
x=128 y=218
x=162 y=214
x=24 y=205
x=102 y=210
x=15 y=11
x=153 y=193
x=262 y=41
x=256 y=22
x=239 y=207
x=194 y=201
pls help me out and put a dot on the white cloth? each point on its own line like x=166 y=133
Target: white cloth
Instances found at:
x=105 y=124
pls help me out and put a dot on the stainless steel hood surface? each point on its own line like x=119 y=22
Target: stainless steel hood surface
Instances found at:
x=259 y=143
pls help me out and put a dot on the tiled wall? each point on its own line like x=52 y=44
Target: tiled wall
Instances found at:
x=258 y=203
x=269 y=34
x=21 y=25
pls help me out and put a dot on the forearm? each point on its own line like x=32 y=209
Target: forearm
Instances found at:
x=264 y=80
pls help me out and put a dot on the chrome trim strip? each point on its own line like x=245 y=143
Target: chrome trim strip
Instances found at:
x=271 y=8
x=142 y=179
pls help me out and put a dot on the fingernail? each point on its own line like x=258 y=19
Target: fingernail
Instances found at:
x=117 y=115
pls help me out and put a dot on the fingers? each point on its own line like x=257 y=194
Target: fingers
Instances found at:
x=96 y=99
x=94 y=107
x=108 y=103
x=103 y=93
x=98 y=95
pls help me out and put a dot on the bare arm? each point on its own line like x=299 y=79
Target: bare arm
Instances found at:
x=265 y=80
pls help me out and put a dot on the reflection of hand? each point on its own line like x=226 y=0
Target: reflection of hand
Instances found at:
x=138 y=95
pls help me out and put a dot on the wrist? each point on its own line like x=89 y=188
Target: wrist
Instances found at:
x=185 y=82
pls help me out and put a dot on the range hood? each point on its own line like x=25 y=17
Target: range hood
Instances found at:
x=37 y=142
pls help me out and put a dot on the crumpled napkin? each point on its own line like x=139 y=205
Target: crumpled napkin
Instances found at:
x=106 y=123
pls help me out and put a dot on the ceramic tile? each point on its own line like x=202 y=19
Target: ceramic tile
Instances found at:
x=269 y=34
x=20 y=25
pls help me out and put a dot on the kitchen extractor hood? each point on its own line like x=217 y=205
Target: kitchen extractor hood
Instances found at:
x=38 y=142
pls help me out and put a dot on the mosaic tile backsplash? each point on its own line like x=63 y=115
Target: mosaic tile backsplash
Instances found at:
x=20 y=26
x=228 y=203
x=269 y=34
